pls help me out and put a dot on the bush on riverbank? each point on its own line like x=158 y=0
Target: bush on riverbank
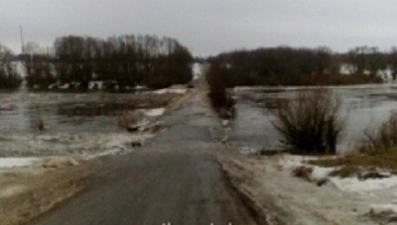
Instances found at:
x=378 y=153
x=221 y=101
x=9 y=80
x=9 y=77
x=39 y=71
x=382 y=137
x=309 y=124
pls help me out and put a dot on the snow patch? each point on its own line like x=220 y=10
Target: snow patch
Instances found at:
x=95 y=84
x=320 y=173
x=66 y=144
x=17 y=162
x=171 y=91
x=154 y=112
x=12 y=190
x=353 y=184
x=287 y=161
x=65 y=86
x=101 y=154
x=225 y=123
x=248 y=150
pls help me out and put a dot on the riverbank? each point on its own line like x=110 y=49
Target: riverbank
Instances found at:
x=26 y=192
x=276 y=188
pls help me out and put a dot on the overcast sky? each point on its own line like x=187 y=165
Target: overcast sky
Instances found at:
x=207 y=27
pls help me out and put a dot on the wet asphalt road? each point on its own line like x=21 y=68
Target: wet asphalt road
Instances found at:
x=175 y=179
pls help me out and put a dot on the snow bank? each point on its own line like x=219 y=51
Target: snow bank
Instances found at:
x=320 y=173
x=17 y=162
x=355 y=185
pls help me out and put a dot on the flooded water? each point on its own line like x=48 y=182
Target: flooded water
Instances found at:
x=74 y=122
x=363 y=106
x=94 y=112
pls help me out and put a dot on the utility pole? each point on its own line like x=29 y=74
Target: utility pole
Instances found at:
x=22 y=40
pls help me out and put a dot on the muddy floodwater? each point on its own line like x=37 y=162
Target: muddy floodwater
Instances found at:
x=73 y=122
x=363 y=106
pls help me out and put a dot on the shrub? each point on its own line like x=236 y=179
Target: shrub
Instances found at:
x=382 y=137
x=303 y=172
x=221 y=101
x=310 y=123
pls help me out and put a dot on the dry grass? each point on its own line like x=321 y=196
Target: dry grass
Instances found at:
x=346 y=171
x=382 y=137
x=379 y=152
x=383 y=217
x=303 y=172
x=360 y=163
x=128 y=119
x=44 y=190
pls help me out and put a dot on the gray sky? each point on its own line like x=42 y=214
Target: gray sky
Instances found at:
x=207 y=27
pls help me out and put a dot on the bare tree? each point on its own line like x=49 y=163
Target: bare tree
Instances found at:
x=393 y=62
x=9 y=77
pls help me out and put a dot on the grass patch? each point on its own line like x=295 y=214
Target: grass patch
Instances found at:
x=383 y=137
x=382 y=160
x=346 y=171
x=365 y=165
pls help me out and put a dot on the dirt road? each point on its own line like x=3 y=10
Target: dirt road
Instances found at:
x=174 y=179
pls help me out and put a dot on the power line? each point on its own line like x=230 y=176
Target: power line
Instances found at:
x=22 y=40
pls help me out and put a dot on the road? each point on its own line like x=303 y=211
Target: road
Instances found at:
x=174 y=179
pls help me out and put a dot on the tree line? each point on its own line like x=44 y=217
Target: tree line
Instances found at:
x=130 y=60
x=296 y=66
x=302 y=66
x=119 y=62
